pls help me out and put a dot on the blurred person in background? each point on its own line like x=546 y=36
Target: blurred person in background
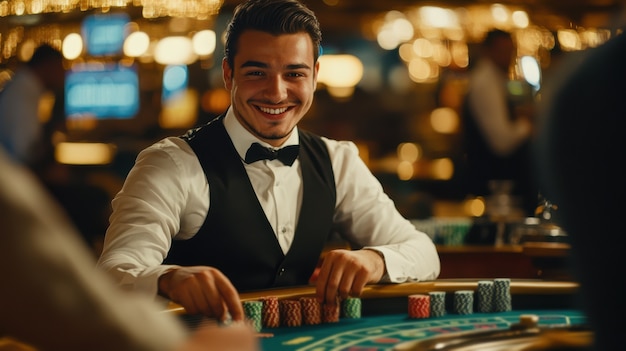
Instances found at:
x=53 y=297
x=23 y=134
x=497 y=133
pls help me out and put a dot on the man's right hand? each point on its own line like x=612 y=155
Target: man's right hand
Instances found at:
x=202 y=290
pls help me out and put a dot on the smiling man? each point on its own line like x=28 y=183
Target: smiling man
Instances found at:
x=249 y=201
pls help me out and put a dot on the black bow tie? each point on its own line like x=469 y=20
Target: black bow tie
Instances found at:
x=286 y=155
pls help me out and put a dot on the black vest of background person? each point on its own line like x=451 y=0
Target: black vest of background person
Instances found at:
x=483 y=165
x=236 y=236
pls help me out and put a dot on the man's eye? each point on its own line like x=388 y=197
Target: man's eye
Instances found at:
x=254 y=73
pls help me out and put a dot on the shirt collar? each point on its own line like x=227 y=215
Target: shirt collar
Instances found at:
x=242 y=139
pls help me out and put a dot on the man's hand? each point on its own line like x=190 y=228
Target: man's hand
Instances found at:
x=344 y=273
x=201 y=289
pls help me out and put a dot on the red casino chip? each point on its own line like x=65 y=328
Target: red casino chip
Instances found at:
x=311 y=311
x=290 y=313
x=419 y=306
x=271 y=312
x=330 y=313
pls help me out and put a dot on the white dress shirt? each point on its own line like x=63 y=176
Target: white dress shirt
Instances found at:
x=20 y=128
x=166 y=197
x=488 y=102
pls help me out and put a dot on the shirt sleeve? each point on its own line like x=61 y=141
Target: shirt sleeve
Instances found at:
x=51 y=285
x=368 y=218
x=164 y=196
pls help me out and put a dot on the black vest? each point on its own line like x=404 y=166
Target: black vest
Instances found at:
x=483 y=164
x=236 y=236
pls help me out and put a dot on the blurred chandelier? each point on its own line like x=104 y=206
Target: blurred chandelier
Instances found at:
x=151 y=8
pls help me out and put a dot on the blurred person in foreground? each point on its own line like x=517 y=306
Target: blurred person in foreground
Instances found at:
x=23 y=134
x=580 y=152
x=51 y=286
x=200 y=218
x=497 y=133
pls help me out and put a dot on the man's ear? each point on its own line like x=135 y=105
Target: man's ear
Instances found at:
x=227 y=74
x=316 y=72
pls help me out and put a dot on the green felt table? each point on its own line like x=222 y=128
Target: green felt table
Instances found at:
x=384 y=332
x=385 y=323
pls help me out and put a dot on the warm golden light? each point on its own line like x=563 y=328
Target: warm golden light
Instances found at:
x=84 y=153
x=176 y=50
x=136 y=44
x=151 y=8
x=474 y=207
x=204 y=42
x=395 y=30
x=409 y=152
x=72 y=46
x=444 y=120
x=340 y=73
x=27 y=50
x=569 y=39
x=442 y=169
x=500 y=13
x=438 y=17
x=520 y=19
x=46 y=104
x=419 y=69
x=180 y=111
x=340 y=70
x=405 y=170
x=215 y=100
x=423 y=47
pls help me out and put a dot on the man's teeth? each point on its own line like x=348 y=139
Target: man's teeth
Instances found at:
x=273 y=111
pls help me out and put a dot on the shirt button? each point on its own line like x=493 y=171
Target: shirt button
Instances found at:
x=281 y=272
x=284 y=230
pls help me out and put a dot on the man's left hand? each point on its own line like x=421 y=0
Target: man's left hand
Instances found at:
x=344 y=273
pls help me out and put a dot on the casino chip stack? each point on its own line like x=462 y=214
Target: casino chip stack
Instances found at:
x=290 y=313
x=311 y=310
x=437 y=303
x=253 y=311
x=484 y=296
x=419 y=306
x=464 y=301
x=351 y=307
x=330 y=313
x=271 y=312
x=502 y=295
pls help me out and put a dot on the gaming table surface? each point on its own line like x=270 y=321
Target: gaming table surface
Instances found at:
x=390 y=332
x=386 y=325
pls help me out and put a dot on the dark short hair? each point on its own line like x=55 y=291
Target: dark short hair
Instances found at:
x=272 y=16
x=494 y=35
x=44 y=53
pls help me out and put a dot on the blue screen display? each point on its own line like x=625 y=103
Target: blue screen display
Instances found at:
x=106 y=92
x=104 y=34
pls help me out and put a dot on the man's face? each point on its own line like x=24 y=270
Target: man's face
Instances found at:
x=502 y=52
x=272 y=83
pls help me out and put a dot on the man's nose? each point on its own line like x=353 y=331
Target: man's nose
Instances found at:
x=276 y=89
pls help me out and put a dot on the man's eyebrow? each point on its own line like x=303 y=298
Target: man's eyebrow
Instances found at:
x=254 y=64
x=298 y=66
x=265 y=65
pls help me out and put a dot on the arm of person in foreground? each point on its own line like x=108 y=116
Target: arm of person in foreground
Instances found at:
x=52 y=286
